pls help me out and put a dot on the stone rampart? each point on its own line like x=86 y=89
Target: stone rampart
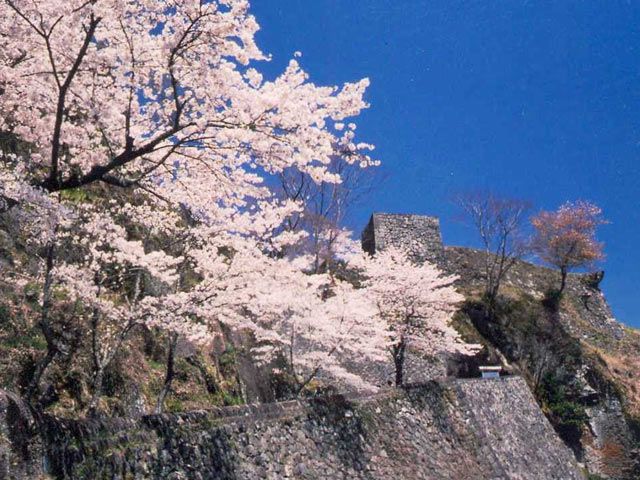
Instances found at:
x=462 y=429
x=419 y=234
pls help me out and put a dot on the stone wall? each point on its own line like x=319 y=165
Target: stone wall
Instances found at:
x=419 y=234
x=464 y=429
x=20 y=456
x=524 y=443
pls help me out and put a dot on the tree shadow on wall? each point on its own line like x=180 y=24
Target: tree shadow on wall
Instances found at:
x=437 y=400
x=344 y=427
x=186 y=442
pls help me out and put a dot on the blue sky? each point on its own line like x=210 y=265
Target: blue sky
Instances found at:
x=539 y=100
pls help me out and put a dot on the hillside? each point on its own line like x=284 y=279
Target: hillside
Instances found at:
x=579 y=361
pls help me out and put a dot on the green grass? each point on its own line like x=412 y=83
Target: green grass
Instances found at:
x=36 y=342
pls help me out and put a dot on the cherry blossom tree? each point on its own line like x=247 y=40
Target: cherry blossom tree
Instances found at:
x=314 y=323
x=38 y=220
x=417 y=302
x=128 y=265
x=150 y=144
x=130 y=92
x=566 y=238
x=105 y=272
x=162 y=104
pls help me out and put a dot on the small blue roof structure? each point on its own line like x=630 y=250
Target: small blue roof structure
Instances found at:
x=490 y=371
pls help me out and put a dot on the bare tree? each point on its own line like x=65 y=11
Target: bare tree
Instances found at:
x=325 y=205
x=500 y=223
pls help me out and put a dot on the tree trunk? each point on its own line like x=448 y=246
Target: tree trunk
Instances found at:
x=398 y=360
x=210 y=381
x=490 y=307
x=563 y=279
x=96 y=391
x=41 y=367
x=45 y=327
x=166 y=388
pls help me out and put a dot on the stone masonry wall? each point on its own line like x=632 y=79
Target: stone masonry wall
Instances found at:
x=419 y=234
x=463 y=429
x=524 y=443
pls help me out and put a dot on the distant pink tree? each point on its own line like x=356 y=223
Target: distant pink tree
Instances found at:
x=566 y=238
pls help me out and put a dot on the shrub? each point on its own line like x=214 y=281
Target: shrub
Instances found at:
x=567 y=416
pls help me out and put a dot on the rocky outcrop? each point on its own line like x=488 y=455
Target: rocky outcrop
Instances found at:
x=607 y=445
x=591 y=317
x=464 y=429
